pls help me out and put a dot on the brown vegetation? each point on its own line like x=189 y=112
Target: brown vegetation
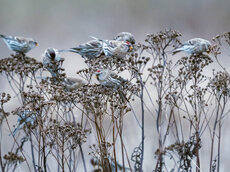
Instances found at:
x=185 y=102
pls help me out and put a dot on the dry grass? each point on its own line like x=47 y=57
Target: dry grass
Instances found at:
x=187 y=104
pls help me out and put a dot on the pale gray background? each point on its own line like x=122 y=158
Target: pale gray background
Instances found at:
x=63 y=24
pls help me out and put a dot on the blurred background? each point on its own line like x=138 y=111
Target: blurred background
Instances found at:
x=64 y=24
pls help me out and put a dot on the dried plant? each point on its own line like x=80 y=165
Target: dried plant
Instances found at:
x=57 y=120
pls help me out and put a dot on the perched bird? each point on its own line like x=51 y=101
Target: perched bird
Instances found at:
x=116 y=48
x=19 y=44
x=98 y=47
x=88 y=50
x=194 y=46
x=52 y=61
x=24 y=118
x=110 y=79
x=125 y=36
x=73 y=83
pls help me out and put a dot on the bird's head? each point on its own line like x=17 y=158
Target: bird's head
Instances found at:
x=36 y=43
x=125 y=36
x=33 y=44
x=51 y=53
x=129 y=45
x=98 y=71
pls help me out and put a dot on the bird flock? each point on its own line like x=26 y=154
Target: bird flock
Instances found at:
x=122 y=44
x=119 y=47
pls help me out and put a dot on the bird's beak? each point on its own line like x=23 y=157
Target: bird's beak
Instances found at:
x=36 y=44
x=130 y=48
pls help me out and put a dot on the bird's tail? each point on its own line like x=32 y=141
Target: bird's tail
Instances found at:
x=73 y=50
x=97 y=39
x=176 y=51
x=2 y=36
x=93 y=37
x=63 y=50
x=17 y=127
x=14 y=132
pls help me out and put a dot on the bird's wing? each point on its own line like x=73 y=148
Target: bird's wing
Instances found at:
x=93 y=44
x=114 y=43
x=109 y=47
x=13 y=40
x=22 y=40
x=90 y=49
x=72 y=80
x=184 y=46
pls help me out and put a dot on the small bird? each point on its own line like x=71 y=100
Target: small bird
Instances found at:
x=88 y=50
x=110 y=79
x=25 y=117
x=98 y=47
x=114 y=48
x=73 y=83
x=52 y=61
x=194 y=46
x=125 y=36
x=20 y=45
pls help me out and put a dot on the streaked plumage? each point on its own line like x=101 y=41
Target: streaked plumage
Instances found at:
x=110 y=79
x=19 y=44
x=116 y=48
x=98 y=47
x=125 y=36
x=194 y=46
x=24 y=118
x=73 y=83
x=88 y=50
x=52 y=61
